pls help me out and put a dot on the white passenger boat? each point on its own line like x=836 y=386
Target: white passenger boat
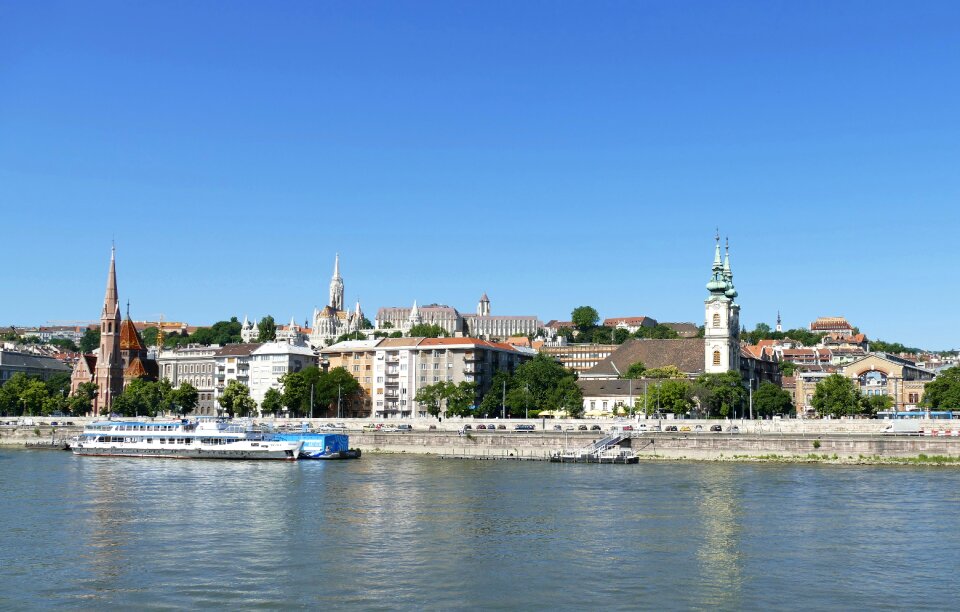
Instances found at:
x=203 y=438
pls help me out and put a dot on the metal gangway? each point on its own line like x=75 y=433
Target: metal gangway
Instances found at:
x=598 y=447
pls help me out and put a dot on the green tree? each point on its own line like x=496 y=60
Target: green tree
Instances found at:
x=431 y=397
x=788 y=368
x=140 y=398
x=272 y=401
x=365 y=323
x=427 y=330
x=297 y=388
x=236 y=399
x=942 y=393
x=338 y=385
x=396 y=334
x=670 y=396
x=267 y=329
x=149 y=335
x=635 y=371
x=461 y=398
x=356 y=335
x=872 y=404
x=65 y=344
x=493 y=401
x=81 y=402
x=658 y=331
x=584 y=317
x=33 y=396
x=769 y=399
x=670 y=371
x=90 y=340
x=58 y=385
x=725 y=394
x=184 y=398
x=835 y=396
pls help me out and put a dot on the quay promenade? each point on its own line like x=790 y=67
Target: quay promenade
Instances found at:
x=792 y=439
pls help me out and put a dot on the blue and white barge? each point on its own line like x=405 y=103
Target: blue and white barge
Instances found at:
x=202 y=438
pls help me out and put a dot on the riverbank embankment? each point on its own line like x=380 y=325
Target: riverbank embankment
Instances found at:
x=755 y=444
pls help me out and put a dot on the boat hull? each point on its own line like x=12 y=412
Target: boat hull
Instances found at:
x=285 y=453
x=353 y=453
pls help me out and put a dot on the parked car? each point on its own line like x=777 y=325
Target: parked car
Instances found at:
x=594 y=428
x=491 y=427
x=685 y=428
x=570 y=428
x=716 y=428
x=627 y=428
x=481 y=426
x=671 y=428
x=582 y=428
x=558 y=428
x=404 y=427
x=734 y=429
x=525 y=428
x=467 y=427
x=501 y=426
x=698 y=428
x=432 y=427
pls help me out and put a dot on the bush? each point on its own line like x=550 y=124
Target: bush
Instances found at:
x=816 y=444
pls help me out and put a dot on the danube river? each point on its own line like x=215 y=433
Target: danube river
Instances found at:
x=402 y=532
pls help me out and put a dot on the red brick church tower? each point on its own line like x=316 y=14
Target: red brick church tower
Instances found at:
x=109 y=374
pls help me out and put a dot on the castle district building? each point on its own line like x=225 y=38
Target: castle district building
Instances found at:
x=195 y=364
x=483 y=324
x=232 y=362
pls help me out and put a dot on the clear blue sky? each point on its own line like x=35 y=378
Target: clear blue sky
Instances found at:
x=549 y=153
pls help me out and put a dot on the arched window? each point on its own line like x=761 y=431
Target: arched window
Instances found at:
x=716 y=319
x=716 y=357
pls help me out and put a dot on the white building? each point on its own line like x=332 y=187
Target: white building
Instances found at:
x=194 y=364
x=271 y=361
x=722 y=319
x=232 y=362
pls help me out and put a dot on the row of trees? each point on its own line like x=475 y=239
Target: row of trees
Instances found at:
x=586 y=328
x=29 y=395
x=148 y=398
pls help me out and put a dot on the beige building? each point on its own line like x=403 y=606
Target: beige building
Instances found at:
x=399 y=367
x=875 y=374
x=194 y=364
x=356 y=357
x=579 y=357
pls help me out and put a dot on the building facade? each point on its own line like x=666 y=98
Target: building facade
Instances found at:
x=578 y=357
x=271 y=360
x=194 y=364
x=13 y=362
x=357 y=357
x=399 y=367
x=722 y=318
x=876 y=374
x=232 y=362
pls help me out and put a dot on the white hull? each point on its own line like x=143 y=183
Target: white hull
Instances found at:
x=241 y=450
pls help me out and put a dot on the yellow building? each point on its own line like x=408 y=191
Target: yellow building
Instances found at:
x=356 y=357
x=875 y=374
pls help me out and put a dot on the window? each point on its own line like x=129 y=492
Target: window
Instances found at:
x=716 y=358
x=716 y=319
x=356 y=368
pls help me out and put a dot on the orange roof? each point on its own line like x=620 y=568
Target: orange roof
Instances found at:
x=135 y=369
x=129 y=338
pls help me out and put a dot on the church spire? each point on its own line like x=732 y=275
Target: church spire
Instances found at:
x=717 y=285
x=728 y=274
x=336 y=286
x=111 y=302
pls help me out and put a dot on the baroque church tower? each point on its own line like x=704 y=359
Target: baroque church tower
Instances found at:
x=722 y=320
x=109 y=372
x=336 y=286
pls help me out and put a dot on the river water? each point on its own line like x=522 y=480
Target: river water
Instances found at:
x=402 y=532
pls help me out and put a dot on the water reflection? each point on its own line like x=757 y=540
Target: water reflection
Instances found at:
x=393 y=532
x=719 y=516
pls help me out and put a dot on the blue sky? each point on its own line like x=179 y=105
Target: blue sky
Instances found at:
x=552 y=154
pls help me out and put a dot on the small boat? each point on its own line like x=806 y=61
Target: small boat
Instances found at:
x=320 y=445
x=610 y=455
x=203 y=438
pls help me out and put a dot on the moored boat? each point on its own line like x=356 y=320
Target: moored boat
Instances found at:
x=203 y=438
x=321 y=445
